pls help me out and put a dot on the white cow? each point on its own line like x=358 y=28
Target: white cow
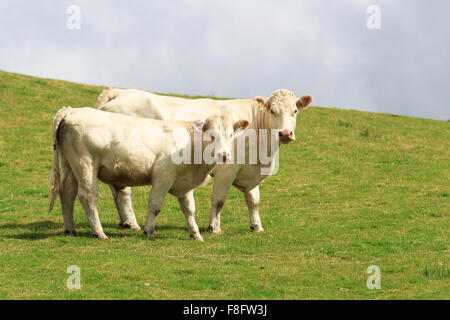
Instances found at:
x=124 y=151
x=278 y=112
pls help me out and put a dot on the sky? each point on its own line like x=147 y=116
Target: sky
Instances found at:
x=242 y=48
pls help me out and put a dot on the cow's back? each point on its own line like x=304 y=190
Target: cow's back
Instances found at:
x=152 y=106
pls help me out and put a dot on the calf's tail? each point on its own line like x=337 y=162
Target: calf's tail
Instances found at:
x=106 y=96
x=55 y=175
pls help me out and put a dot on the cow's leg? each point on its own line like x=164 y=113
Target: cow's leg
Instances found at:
x=187 y=205
x=252 y=198
x=86 y=174
x=155 y=202
x=221 y=187
x=124 y=205
x=67 y=193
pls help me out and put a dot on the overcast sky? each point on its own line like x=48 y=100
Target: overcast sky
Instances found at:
x=242 y=49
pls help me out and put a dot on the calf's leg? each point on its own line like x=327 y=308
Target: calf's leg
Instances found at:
x=124 y=205
x=252 y=198
x=221 y=187
x=86 y=174
x=67 y=193
x=187 y=205
x=155 y=202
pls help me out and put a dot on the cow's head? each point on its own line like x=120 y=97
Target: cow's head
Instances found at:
x=281 y=110
x=218 y=133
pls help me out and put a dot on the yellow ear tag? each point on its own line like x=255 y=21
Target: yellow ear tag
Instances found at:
x=261 y=106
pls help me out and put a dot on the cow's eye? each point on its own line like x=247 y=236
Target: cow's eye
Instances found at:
x=296 y=111
x=272 y=112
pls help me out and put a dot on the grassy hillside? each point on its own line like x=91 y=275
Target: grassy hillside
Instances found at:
x=356 y=189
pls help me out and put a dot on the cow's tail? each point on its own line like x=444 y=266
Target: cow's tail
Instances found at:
x=55 y=175
x=106 y=96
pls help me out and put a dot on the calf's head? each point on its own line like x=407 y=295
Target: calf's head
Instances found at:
x=281 y=110
x=218 y=133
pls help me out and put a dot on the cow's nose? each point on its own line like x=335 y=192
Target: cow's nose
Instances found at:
x=286 y=134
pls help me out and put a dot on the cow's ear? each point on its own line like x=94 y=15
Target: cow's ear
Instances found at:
x=241 y=125
x=261 y=101
x=304 y=102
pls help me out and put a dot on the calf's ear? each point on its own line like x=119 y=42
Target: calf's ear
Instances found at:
x=198 y=125
x=241 y=125
x=304 y=102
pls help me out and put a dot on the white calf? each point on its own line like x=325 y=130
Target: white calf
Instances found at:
x=123 y=151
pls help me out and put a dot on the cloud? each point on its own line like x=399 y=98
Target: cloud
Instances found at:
x=242 y=49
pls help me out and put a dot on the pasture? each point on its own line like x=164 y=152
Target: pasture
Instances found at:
x=356 y=189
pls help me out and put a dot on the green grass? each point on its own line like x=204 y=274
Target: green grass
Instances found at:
x=356 y=189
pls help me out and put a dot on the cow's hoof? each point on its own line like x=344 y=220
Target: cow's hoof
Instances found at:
x=127 y=225
x=214 y=230
x=197 y=237
x=71 y=233
x=149 y=235
x=257 y=229
x=101 y=236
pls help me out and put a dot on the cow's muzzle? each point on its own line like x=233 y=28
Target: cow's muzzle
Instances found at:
x=286 y=136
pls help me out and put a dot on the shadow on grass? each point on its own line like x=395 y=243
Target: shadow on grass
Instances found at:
x=46 y=229
x=32 y=225
x=34 y=230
